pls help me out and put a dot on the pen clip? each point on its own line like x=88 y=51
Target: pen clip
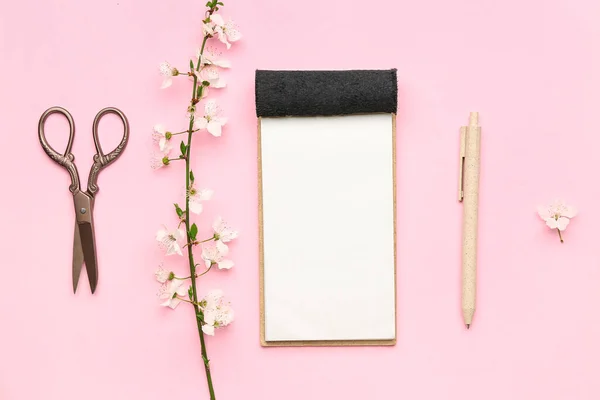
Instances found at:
x=463 y=140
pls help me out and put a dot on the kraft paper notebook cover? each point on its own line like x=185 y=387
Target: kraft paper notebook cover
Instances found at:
x=327 y=207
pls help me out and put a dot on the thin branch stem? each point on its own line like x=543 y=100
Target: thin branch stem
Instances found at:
x=184 y=299
x=182 y=132
x=192 y=264
x=205 y=272
x=560 y=236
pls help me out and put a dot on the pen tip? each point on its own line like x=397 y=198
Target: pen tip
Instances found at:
x=468 y=325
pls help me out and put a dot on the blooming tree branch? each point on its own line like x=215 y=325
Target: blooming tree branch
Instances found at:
x=211 y=311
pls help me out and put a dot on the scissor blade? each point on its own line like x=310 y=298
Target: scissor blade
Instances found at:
x=86 y=233
x=77 y=257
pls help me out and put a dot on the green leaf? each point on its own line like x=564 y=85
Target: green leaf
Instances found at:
x=191 y=64
x=178 y=210
x=193 y=231
x=220 y=3
x=191 y=293
x=183 y=148
x=208 y=4
x=199 y=92
x=192 y=176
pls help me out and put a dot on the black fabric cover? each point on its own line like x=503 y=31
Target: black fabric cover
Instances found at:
x=311 y=93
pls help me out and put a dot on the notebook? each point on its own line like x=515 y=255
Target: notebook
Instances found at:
x=327 y=207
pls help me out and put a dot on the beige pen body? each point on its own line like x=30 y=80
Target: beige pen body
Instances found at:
x=472 y=138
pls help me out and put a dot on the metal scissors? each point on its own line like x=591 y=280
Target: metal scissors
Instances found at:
x=84 y=239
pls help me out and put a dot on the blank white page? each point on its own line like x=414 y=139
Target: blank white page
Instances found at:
x=328 y=228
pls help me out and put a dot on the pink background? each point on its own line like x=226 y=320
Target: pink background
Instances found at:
x=529 y=68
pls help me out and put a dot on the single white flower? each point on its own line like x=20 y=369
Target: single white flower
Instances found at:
x=161 y=136
x=212 y=254
x=217 y=318
x=211 y=74
x=160 y=159
x=168 y=72
x=211 y=120
x=212 y=57
x=162 y=275
x=216 y=313
x=226 y=31
x=223 y=233
x=169 y=240
x=557 y=215
x=170 y=293
x=196 y=197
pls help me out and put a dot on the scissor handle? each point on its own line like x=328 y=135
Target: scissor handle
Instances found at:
x=100 y=159
x=66 y=159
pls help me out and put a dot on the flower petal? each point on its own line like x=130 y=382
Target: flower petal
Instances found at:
x=225 y=264
x=208 y=329
x=233 y=34
x=218 y=224
x=196 y=207
x=174 y=303
x=174 y=248
x=217 y=19
x=182 y=291
x=544 y=212
x=162 y=144
x=210 y=108
x=179 y=234
x=222 y=247
x=166 y=83
x=219 y=62
x=200 y=123
x=220 y=120
x=161 y=274
x=205 y=194
x=219 y=83
x=166 y=303
x=552 y=223
x=161 y=234
x=214 y=128
x=569 y=212
x=562 y=223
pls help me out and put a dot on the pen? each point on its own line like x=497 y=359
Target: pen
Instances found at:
x=468 y=194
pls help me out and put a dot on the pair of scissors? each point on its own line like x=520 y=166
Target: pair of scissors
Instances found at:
x=84 y=239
